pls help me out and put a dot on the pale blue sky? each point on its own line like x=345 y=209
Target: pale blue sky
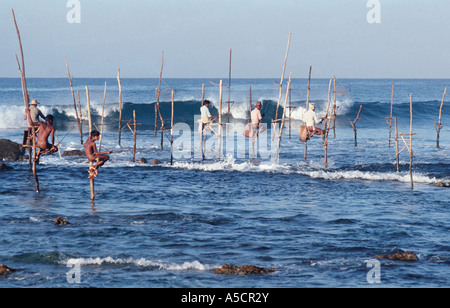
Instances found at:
x=333 y=36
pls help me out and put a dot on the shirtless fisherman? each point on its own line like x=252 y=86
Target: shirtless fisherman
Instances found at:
x=43 y=131
x=93 y=155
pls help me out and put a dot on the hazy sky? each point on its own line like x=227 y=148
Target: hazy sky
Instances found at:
x=333 y=36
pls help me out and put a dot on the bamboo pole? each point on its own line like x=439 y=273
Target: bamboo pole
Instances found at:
x=250 y=105
x=171 y=129
x=202 y=142
x=334 y=108
x=229 y=89
x=26 y=99
x=103 y=122
x=36 y=179
x=327 y=126
x=282 y=120
x=281 y=87
x=390 y=117
x=120 y=105
x=157 y=110
x=309 y=89
x=220 y=121
x=353 y=123
x=91 y=180
x=26 y=96
x=79 y=111
x=396 y=146
x=438 y=125
x=134 y=136
x=290 y=113
x=74 y=102
x=410 y=140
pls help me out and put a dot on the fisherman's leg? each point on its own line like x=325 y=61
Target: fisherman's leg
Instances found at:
x=102 y=159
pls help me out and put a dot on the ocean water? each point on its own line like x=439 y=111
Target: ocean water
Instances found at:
x=170 y=225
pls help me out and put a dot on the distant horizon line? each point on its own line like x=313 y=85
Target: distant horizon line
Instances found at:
x=226 y=78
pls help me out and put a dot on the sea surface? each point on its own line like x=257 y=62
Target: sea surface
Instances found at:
x=169 y=225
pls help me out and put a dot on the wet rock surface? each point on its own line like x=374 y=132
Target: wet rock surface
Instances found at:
x=4 y=270
x=11 y=151
x=73 y=153
x=244 y=270
x=400 y=256
x=60 y=221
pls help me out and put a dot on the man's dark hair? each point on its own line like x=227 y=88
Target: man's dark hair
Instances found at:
x=49 y=118
x=95 y=133
x=206 y=102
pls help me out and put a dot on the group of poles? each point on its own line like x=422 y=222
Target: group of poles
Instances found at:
x=277 y=123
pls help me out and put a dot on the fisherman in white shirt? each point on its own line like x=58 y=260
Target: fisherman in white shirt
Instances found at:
x=310 y=118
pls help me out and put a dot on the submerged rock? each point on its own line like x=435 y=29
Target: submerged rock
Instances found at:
x=5 y=167
x=73 y=153
x=155 y=162
x=244 y=270
x=442 y=184
x=142 y=161
x=400 y=256
x=4 y=270
x=10 y=150
x=60 y=221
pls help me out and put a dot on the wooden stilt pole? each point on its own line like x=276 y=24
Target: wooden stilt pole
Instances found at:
x=26 y=99
x=396 y=145
x=91 y=180
x=36 y=179
x=353 y=123
x=250 y=105
x=120 y=105
x=220 y=121
x=290 y=112
x=103 y=121
x=307 y=107
x=283 y=119
x=74 y=102
x=309 y=89
x=229 y=90
x=134 y=136
x=171 y=129
x=438 y=125
x=157 y=108
x=327 y=126
x=281 y=87
x=334 y=108
x=390 y=117
x=202 y=142
x=410 y=140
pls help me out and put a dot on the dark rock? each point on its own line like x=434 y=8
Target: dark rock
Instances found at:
x=4 y=270
x=244 y=270
x=155 y=162
x=4 y=167
x=142 y=161
x=59 y=221
x=400 y=256
x=73 y=153
x=10 y=151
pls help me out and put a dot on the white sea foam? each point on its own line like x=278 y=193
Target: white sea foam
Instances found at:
x=230 y=164
x=141 y=262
